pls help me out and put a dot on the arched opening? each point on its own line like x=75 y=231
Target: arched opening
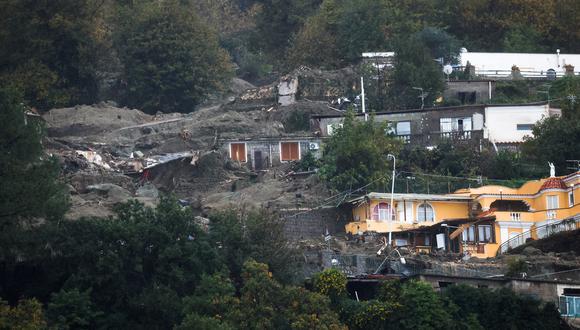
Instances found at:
x=425 y=213
x=381 y=212
x=510 y=205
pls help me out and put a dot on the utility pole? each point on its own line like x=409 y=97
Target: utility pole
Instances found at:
x=392 y=199
x=362 y=88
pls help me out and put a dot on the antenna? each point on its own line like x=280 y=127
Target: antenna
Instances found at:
x=422 y=96
x=447 y=69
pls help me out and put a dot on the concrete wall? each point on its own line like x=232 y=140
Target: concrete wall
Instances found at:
x=544 y=290
x=482 y=89
x=313 y=224
x=501 y=121
x=422 y=121
x=270 y=150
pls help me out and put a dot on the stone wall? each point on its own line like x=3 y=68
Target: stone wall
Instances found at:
x=313 y=224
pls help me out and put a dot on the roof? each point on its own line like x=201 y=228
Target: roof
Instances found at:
x=467 y=106
x=553 y=183
x=410 y=197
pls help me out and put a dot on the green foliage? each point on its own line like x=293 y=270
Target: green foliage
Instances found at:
x=28 y=177
x=414 y=68
x=255 y=234
x=27 y=315
x=278 y=20
x=171 y=60
x=356 y=154
x=49 y=50
x=516 y=266
x=509 y=310
x=330 y=282
x=263 y=303
x=342 y=29
x=307 y=163
x=554 y=140
x=72 y=309
x=422 y=308
x=523 y=39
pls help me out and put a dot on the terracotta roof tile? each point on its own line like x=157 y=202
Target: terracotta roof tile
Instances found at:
x=553 y=183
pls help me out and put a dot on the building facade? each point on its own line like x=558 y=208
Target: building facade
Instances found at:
x=501 y=124
x=261 y=153
x=479 y=221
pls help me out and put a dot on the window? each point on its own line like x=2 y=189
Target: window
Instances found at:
x=404 y=128
x=484 y=233
x=455 y=124
x=467 y=97
x=381 y=212
x=525 y=127
x=238 y=152
x=571 y=199
x=425 y=213
x=289 y=151
x=469 y=234
x=552 y=202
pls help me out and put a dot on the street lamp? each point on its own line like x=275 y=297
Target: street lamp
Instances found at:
x=389 y=156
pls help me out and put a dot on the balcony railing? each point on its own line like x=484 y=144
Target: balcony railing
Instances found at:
x=541 y=232
x=515 y=216
x=435 y=137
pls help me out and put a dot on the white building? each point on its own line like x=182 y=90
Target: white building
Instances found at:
x=530 y=65
x=509 y=124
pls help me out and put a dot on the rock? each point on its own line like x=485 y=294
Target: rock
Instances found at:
x=113 y=193
x=531 y=251
x=202 y=222
x=147 y=190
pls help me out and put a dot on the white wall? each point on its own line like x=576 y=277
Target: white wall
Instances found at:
x=524 y=61
x=501 y=121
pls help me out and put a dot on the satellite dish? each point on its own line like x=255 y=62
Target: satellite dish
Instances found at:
x=447 y=69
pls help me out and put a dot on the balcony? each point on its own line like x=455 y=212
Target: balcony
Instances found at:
x=434 y=138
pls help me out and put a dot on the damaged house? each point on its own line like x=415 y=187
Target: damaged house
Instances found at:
x=480 y=221
x=264 y=152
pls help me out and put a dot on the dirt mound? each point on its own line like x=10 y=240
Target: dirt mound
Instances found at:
x=86 y=120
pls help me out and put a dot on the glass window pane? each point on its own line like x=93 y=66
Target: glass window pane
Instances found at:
x=404 y=128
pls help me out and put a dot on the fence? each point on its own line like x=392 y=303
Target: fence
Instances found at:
x=541 y=232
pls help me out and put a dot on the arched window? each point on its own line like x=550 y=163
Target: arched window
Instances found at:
x=425 y=213
x=381 y=212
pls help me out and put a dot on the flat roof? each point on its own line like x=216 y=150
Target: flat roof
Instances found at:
x=467 y=106
x=408 y=197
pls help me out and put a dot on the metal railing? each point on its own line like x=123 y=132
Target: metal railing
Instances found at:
x=436 y=137
x=541 y=232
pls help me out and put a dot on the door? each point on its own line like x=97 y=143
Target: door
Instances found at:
x=258 y=160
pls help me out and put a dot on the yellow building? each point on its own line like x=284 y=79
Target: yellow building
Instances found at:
x=476 y=220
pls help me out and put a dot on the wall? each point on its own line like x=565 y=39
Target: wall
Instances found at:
x=313 y=224
x=481 y=89
x=271 y=149
x=525 y=61
x=501 y=121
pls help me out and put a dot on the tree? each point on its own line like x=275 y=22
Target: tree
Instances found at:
x=415 y=68
x=27 y=315
x=256 y=234
x=554 y=140
x=278 y=20
x=50 y=48
x=29 y=178
x=172 y=61
x=356 y=155
x=72 y=309
x=510 y=310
